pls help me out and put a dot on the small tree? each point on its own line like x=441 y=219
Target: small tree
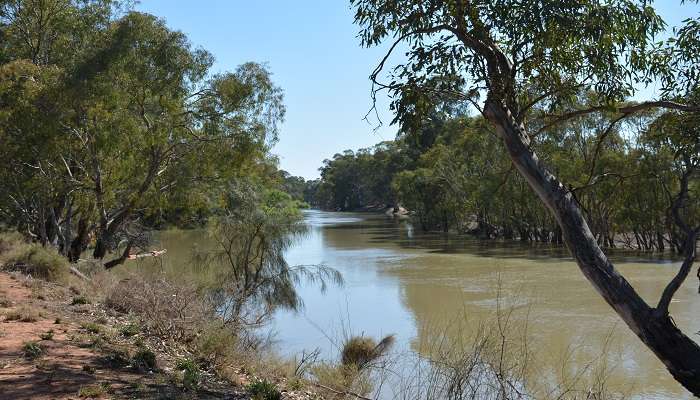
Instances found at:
x=258 y=227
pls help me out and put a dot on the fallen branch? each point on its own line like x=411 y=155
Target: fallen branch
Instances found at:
x=154 y=253
x=79 y=274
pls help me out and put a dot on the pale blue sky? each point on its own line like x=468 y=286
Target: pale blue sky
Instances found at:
x=312 y=50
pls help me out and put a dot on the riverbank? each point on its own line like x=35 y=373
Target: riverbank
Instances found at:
x=57 y=343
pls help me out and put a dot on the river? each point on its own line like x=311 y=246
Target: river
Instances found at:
x=401 y=281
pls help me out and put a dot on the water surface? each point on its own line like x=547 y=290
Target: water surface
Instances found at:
x=401 y=281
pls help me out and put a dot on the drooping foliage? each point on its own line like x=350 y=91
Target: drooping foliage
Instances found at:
x=109 y=121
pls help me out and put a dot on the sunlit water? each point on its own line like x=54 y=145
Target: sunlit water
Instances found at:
x=400 y=281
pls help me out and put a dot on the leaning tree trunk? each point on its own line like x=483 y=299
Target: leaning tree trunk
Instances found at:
x=679 y=353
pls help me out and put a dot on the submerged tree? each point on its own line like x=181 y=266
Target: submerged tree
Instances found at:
x=520 y=63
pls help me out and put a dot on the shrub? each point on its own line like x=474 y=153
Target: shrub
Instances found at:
x=170 y=310
x=361 y=351
x=116 y=358
x=9 y=241
x=216 y=343
x=129 y=330
x=264 y=390
x=47 y=336
x=144 y=359
x=23 y=314
x=38 y=261
x=190 y=370
x=93 y=391
x=91 y=327
x=32 y=350
x=4 y=301
x=79 y=300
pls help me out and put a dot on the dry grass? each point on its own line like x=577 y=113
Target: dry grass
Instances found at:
x=23 y=314
x=361 y=351
x=37 y=261
x=169 y=310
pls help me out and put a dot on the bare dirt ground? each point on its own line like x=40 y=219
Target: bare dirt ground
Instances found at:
x=80 y=352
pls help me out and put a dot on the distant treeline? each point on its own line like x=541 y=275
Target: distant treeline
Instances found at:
x=451 y=173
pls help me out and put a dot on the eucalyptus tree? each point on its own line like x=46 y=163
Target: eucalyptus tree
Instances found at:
x=112 y=116
x=510 y=58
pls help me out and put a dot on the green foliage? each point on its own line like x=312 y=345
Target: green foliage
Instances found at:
x=191 y=373
x=264 y=390
x=48 y=335
x=32 y=350
x=36 y=260
x=258 y=226
x=130 y=329
x=561 y=80
x=9 y=241
x=362 y=180
x=216 y=343
x=91 y=327
x=93 y=391
x=144 y=359
x=116 y=358
x=79 y=300
x=111 y=118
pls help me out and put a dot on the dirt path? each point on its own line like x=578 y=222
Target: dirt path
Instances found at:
x=62 y=370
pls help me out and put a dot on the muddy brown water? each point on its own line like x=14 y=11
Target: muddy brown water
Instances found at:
x=401 y=281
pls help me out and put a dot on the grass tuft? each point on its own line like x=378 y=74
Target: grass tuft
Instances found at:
x=32 y=350
x=79 y=300
x=91 y=327
x=263 y=390
x=129 y=330
x=48 y=335
x=23 y=314
x=93 y=391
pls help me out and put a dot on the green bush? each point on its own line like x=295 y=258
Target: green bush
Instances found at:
x=191 y=373
x=264 y=390
x=130 y=329
x=8 y=241
x=116 y=357
x=38 y=261
x=79 y=300
x=32 y=350
x=91 y=327
x=144 y=359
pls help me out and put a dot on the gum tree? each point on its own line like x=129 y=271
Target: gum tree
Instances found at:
x=524 y=65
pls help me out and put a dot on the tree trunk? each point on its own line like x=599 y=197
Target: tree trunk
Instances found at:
x=679 y=353
x=79 y=244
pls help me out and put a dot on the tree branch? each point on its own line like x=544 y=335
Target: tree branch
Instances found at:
x=675 y=284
